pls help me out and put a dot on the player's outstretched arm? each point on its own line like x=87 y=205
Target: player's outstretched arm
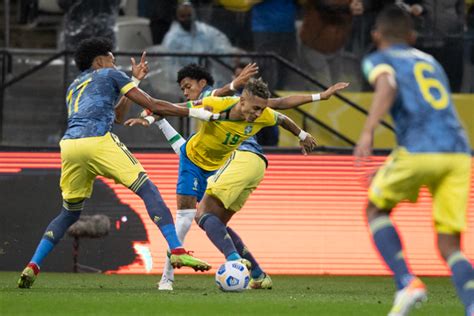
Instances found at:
x=293 y=101
x=139 y=72
x=307 y=142
x=165 y=108
x=238 y=83
x=384 y=96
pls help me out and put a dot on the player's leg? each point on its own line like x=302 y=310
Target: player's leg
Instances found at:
x=450 y=197
x=226 y=193
x=212 y=217
x=118 y=163
x=259 y=279
x=397 y=180
x=190 y=189
x=76 y=185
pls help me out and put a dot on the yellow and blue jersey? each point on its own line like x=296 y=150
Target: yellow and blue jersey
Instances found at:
x=249 y=144
x=91 y=99
x=425 y=118
x=212 y=145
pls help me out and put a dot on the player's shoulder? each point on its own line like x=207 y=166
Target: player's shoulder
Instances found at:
x=268 y=116
x=219 y=103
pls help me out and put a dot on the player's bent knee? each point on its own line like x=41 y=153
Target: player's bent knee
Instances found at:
x=201 y=218
x=75 y=200
x=448 y=244
x=373 y=211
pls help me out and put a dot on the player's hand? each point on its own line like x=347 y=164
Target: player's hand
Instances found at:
x=136 y=121
x=248 y=72
x=203 y=115
x=308 y=144
x=363 y=149
x=325 y=95
x=140 y=70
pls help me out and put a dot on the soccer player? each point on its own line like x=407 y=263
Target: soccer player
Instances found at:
x=88 y=149
x=433 y=150
x=196 y=83
x=229 y=188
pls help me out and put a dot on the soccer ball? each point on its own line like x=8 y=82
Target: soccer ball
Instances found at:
x=232 y=276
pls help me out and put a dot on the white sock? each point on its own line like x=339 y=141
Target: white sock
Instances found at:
x=184 y=220
x=172 y=135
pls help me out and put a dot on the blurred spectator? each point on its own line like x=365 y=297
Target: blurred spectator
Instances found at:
x=88 y=18
x=442 y=36
x=364 y=13
x=189 y=35
x=325 y=30
x=469 y=36
x=273 y=29
x=234 y=19
x=28 y=11
x=160 y=13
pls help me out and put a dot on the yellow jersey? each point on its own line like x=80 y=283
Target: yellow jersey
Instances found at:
x=212 y=145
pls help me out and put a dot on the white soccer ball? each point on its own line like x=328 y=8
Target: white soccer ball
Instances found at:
x=232 y=276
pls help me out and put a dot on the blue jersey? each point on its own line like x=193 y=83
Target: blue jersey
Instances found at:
x=249 y=144
x=91 y=100
x=423 y=112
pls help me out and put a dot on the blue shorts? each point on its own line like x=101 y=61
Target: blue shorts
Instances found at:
x=192 y=180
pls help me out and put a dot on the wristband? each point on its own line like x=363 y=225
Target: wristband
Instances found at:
x=150 y=119
x=316 y=97
x=232 y=86
x=302 y=135
x=145 y=112
x=135 y=81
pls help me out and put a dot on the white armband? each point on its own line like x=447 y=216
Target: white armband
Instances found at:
x=302 y=135
x=202 y=114
x=150 y=119
x=316 y=97
x=135 y=81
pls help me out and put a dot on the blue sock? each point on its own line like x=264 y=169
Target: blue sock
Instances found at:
x=217 y=233
x=388 y=243
x=245 y=253
x=70 y=213
x=158 y=211
x=463 y=278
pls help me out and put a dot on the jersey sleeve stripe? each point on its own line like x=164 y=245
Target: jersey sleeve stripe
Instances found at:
x=378 y=70
x=129 y=86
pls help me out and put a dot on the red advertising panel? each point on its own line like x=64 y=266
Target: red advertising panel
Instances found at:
x=306 y=217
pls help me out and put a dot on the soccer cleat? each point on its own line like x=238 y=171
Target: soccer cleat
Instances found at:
x=28 y=276
x=246 y=263
x=264 y=282
x=411 y=295
x=182 y=258
x=165 y=284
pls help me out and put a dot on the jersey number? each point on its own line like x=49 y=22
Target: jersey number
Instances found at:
x=231 y=140
x=428 y=84
x=69 y=99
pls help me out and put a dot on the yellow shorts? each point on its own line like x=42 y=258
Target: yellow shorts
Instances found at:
x=85 y=158
x=447 y=176
x=236 y=180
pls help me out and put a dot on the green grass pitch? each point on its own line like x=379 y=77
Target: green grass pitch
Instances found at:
x=96 y=294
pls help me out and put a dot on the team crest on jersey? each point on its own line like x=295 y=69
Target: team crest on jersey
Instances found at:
x=248 y=129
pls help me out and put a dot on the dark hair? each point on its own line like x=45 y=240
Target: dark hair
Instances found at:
x=394 y=22
x=194 y=71
x=258 y=88
x=89 y=49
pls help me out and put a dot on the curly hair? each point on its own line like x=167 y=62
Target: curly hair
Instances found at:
x=196 y=72
x=89 y=49
x=258 y=88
